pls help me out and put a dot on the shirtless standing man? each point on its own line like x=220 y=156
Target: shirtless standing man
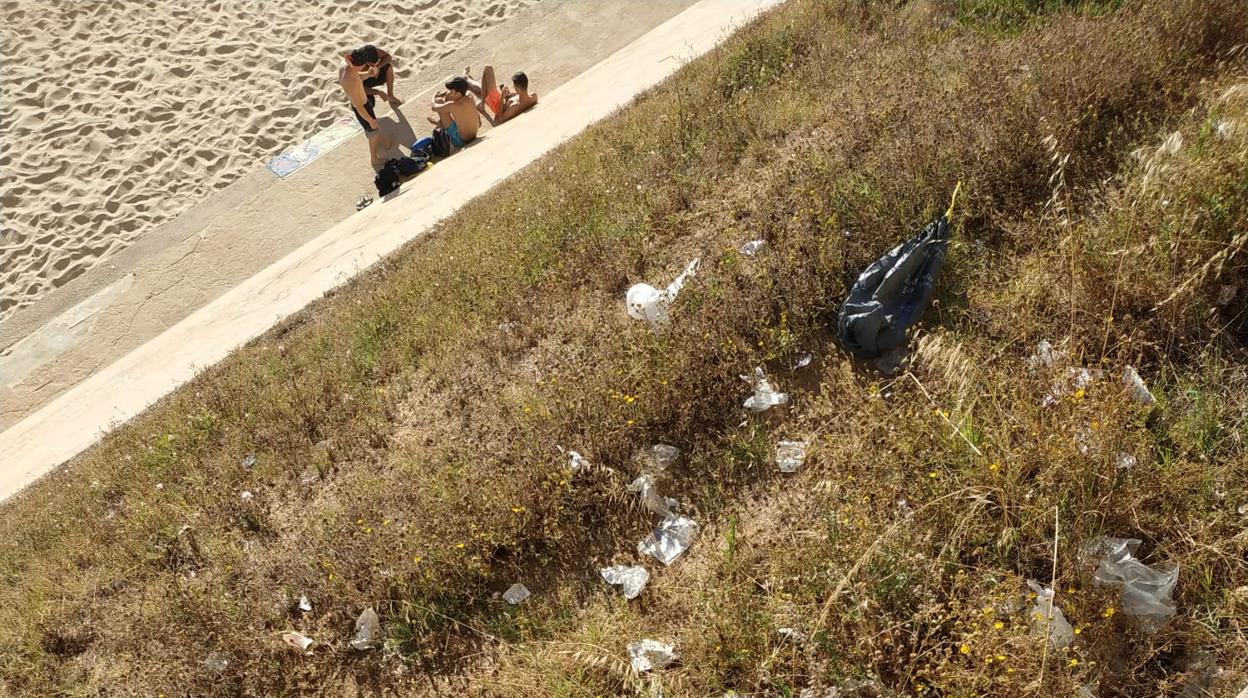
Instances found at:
x=456 y=112
x=367 y=68
x=502 y=103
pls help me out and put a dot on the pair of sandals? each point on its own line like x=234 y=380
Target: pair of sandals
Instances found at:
x=363 y=202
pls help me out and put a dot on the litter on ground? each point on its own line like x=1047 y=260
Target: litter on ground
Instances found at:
x=645 y=302
x=1059 y=630
x=298 y=641
x=516 y=594
x=1147 y=592
x=765 y=396
x=646 y=655
x=367 y=631
x=789 y=455
x=632 y=580
x=670 y=539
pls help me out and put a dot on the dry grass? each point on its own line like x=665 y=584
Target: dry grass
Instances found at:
x=405 y=431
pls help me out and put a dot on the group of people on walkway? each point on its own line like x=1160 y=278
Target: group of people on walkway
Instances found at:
x=457 y=110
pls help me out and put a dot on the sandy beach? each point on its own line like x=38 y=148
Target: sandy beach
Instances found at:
x=119 y=116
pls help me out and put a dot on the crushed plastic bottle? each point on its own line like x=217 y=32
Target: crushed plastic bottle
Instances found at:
x=298 y=641
x=1061 y=634
x=790 y=455
x=650 y=497
x=765 y=396
x=1147 y=592
x=646 y=655
x=632 y=580
x=645 y=302
x=367 y=631
x=752 y=247
x=670 y=539
x=516 y=594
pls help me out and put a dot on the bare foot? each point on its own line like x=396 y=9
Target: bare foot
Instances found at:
x=394 y=101
x=433 y=120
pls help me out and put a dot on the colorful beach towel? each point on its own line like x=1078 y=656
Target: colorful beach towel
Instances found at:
x=296 y=157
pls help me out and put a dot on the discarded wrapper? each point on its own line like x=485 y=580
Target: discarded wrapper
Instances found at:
x=789 y=455
x=650 y=497
x=646 y=655
x=670 y=539
x=576 y=462
x=632 y=580
x=662 y=456
x=304 y=604
x=803 y=361
x=765 y=396
x=516 y=594
x=299 y=641
x=1135 y=385
x=367 y=631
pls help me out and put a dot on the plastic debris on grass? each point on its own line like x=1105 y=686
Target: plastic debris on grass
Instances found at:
x=304 y=604
x=647 y=655
x=367 y=631
x=1060 y=632
x=1075 y=379
x=576 y=462
x=803 y=361
x=516 y=594
x=752 y=247
x=298 y=641
x=1135 y=385
x=645 y=302
x=765 y=395
x=650 y=497
x=1124 y=461
x=790 y=455
x=1147 y=592
x=792 y=635
x=669 y=539
x=249 y=461
x=632 y=580
x=216 y=662
x=1045 y=356
x=660 y=457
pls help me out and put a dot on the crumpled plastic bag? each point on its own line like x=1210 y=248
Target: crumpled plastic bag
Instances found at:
x=660 y=457
x=765 y=396
x=576 y=462
x=650 y=497
x=1147 y=592
x=516 y=594
x=1060 y=632
x=632 y=580
x=670 y=539
x=1075 y=378
x=646 y=655
x=789 y=455
x=646 y=302
x=1045 y=356
x=367 y=631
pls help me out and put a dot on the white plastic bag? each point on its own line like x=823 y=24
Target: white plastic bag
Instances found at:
x=765 y=396
x=645 y=302
x=1147 y=592
x=646 y=655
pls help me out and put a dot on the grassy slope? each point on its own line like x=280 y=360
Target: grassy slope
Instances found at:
x=405 y=429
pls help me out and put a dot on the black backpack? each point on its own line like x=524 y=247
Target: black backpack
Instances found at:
x=408 y=166
x=441 y=143
x=387 y=179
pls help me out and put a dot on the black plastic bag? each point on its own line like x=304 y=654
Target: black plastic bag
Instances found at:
x=889 y=297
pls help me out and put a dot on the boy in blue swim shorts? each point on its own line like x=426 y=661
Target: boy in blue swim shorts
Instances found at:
x=456 y=112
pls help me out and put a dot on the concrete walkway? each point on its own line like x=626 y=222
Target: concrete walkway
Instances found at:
x=76 y=420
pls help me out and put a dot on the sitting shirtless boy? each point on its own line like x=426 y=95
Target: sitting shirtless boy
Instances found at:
x=500 y=104
x=456 y=112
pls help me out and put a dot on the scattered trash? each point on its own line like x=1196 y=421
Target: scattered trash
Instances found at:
x=670 y=539
x=1060 y=632
x=367 y=631
x=662 y=456
x=646 y=655
x=632 y=579
x=765 y=396
x=645 y=302
x=789 y=455
x=516 y=594
x=890 y=295
x=1146 y=591
x=299 y=641
x=249 y=461
x=1124 y=461
x=216 y=662
x=792 y=635
x=246 y=496
x=751 y=248
x=576 y=462
x=1045 y=356
x=1139 y=391
x=1074 y=380
x=650 y=497
x=304 y=604
x=160 y=486
x=803 y=361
